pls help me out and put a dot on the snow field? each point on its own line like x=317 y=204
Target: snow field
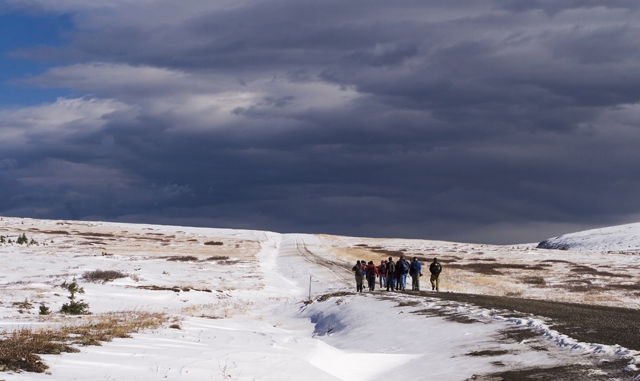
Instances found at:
x=253 y=324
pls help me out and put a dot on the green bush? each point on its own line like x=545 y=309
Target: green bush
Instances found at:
x=44 y=310
x=22 y=239
x=74 y=307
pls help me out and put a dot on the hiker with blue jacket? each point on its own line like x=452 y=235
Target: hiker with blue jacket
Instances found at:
x=403 y=269
x=415 y=270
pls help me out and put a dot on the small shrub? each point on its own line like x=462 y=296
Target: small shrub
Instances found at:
x=22 y=239
x=214 y=243
x=103 y=275
x=74 y=307
x=23 y=305
x=44 y=310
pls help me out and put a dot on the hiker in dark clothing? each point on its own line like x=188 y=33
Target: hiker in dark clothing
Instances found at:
x=382 y=270
x=415 y=270
x=359 y=271
x=372 y=274
x=403 y=267
x=435 y=268
x=391 y=270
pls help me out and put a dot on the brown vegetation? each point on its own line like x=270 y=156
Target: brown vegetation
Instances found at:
x=181 y=258
x=580 y=269
x=217 y=258
x=20 y=349
x=103 y=275
x=494 y=268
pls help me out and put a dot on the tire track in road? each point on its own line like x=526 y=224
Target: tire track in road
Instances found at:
x=336 y=268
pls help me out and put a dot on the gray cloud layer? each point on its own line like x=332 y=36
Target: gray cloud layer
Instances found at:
x=488 y=121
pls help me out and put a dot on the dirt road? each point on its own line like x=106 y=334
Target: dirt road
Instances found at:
x=586 y=323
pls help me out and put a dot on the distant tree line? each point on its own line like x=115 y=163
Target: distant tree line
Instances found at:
x=21 y=240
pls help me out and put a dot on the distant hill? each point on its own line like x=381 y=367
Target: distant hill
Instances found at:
x=613 y=238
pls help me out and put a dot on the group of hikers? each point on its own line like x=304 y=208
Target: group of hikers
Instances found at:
x=393 y=275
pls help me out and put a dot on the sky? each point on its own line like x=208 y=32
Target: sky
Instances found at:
x=489 y=121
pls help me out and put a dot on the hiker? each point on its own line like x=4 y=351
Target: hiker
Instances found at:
x=403 y=267
x=391 y=270
x=358 y=270
x=372 y=274
x=382 y=270
x=415 y=270
x=435 y=268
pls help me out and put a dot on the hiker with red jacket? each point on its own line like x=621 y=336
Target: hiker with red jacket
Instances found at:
x=372 y=274
x=382 y=270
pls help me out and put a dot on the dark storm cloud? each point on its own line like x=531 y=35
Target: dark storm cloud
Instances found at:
x=492 y=121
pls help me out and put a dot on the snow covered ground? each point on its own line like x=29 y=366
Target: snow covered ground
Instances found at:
x=238 y=301
x=624 y=238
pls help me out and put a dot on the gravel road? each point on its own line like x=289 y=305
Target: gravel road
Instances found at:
x=586 y=323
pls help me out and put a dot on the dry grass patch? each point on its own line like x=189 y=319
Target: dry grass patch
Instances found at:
x=103 y=275
x=229 y=262
x=181 y=258
x=496 y=268
x=624 y=286
x=174 y=288
x=20 y=349
x=580 y=269
x=217 y=258
x=534 y=280
x=557 y=261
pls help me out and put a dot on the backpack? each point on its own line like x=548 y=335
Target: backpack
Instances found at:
x=392 y=268
x=435 y=268
x=358 y=270
x=413 y=268
x=404 y=266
